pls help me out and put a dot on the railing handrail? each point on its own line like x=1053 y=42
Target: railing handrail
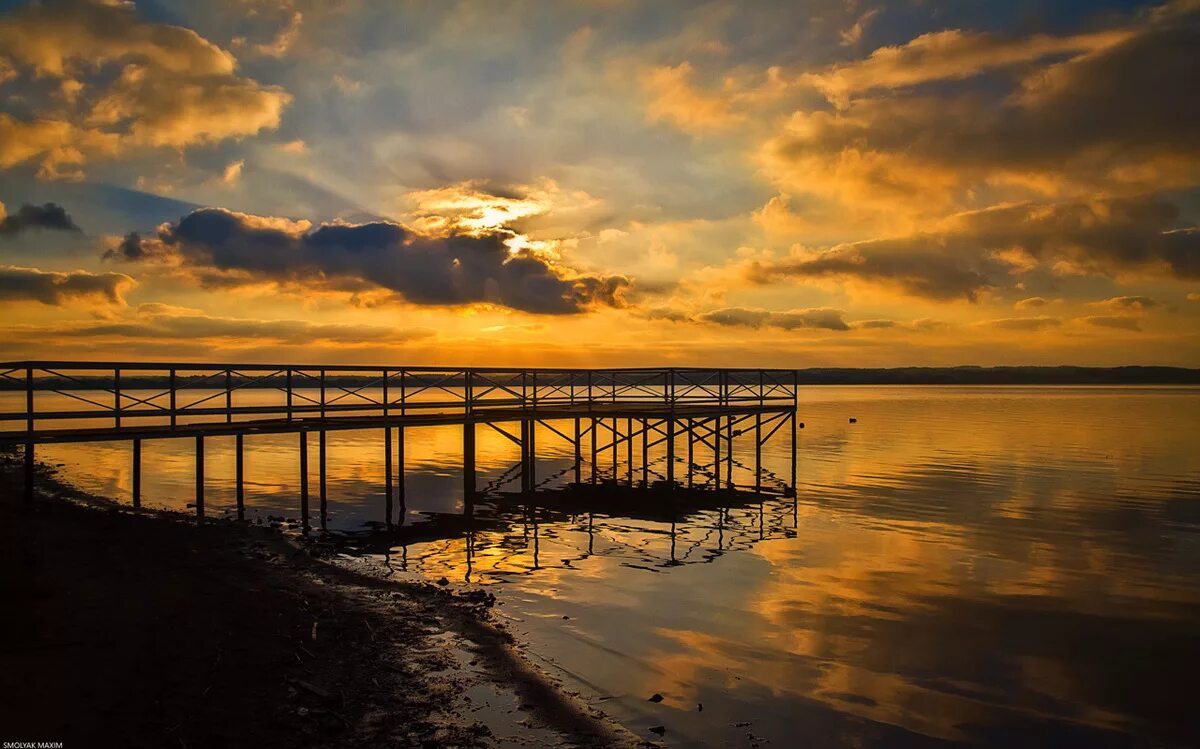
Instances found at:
x=187 y=366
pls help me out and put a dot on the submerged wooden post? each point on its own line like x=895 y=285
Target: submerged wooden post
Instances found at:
x=239 y=476
x=199 y=477
x=303 y=481
x=321 y=479
x=387 y=473
x=137 y=473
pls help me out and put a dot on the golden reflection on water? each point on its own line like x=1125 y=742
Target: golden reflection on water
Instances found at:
x=967 y=564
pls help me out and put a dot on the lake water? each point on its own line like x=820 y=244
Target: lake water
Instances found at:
x=1003 y=566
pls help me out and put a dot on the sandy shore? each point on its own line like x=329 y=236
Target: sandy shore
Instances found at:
x=146 y=629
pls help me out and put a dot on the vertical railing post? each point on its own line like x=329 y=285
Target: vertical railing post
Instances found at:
x=289 y=393
x=403 y=394
x=171 y=397
x=228 y=396
x=629 y=451
x=117 y=397
x=469 y=390
x=386 y=399
x=322 y=376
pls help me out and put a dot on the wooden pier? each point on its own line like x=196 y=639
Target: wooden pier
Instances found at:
x=689 y=411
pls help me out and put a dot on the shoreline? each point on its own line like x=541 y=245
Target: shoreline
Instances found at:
x=143 y=628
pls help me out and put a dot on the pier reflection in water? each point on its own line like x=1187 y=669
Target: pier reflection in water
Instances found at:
x=994 y=566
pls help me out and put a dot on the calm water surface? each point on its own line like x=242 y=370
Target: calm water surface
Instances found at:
x=1015 y=566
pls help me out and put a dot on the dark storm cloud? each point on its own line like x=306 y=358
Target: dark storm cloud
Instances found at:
x=1120 y=322
x=930 y=274
x=57 y=289
x=825 y=319
x=1024 y=323
x=48 y=216
x=1128 y=303
x=1124 y=112
x=451 y=270
x=194 y=326
x=1105 y=237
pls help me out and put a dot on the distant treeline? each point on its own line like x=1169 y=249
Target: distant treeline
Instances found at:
x=1002 y=376
x=813 y=376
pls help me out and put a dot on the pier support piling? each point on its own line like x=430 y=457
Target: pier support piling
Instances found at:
x=28 y=475
x=670 y=452
x=324 y=500
x=468 y=463
x=137 y=474
x=387 y=472
x=304 y=482
x=199 y=478
x=400 y=474
x=758 y=452
x=239 y=476
x=578 y=453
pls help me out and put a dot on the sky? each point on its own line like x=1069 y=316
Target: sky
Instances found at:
x=826 y=183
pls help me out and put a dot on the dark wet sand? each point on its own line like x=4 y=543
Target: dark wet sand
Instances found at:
x=144 y=629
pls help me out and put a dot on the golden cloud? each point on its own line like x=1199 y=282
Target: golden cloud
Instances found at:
x=171 y=87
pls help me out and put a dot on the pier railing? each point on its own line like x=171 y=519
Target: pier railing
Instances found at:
x=702 y=409
x=42 y=396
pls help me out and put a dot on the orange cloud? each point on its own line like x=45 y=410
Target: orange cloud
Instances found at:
x=674 y=99
x=174 y=88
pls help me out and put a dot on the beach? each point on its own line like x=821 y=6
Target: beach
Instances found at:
x=142 y=628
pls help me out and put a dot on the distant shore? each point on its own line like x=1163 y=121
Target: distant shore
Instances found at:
x=452 y=377
x=145 y=629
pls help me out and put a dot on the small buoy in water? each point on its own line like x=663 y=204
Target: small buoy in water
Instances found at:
x=853 y=420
